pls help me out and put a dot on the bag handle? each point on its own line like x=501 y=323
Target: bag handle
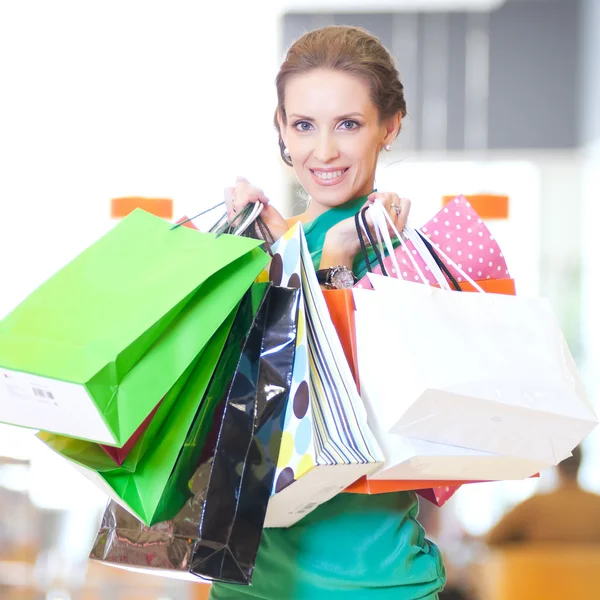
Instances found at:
x=204 y=212
x=421 y=242
x=458 y=268
x=440 y=263
x=366 y=229
x=250 y=214
x=380 y=220
x=361 y=241
x=423 y=251
x=377 y=247
x=261 y=231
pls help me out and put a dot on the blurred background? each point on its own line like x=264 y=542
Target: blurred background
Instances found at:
x=108 y=99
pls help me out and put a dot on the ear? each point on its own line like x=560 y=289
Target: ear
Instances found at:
x=392 y=129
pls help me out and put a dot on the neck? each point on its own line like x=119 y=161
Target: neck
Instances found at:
x=316 y=209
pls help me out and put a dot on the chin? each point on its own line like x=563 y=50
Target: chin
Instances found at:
x=330 y=196
x=331 y=199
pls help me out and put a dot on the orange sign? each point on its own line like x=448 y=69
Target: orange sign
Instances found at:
x=121 y=207
x=487 y=206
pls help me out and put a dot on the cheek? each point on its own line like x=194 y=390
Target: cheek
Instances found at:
x=300 y=149
x=366 y=156
x=362 y=148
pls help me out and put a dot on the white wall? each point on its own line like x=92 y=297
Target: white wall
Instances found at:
x=125 y=97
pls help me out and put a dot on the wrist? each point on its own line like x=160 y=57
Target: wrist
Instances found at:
x=338 y=250
x=335 y=254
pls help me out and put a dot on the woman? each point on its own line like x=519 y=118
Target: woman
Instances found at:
x=340 y=103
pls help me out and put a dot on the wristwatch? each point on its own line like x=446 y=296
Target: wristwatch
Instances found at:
x=336 y=278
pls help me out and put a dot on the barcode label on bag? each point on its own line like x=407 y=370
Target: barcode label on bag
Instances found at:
x=42 y=393
x=37 y=402
x=308 y=507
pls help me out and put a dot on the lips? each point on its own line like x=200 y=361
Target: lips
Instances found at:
x=330 y=176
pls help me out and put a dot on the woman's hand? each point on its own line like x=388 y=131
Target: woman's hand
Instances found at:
x=398 y=208
x=342 y=243
x=244 y=193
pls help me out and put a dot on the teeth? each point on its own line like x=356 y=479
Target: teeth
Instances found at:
x=329 y=175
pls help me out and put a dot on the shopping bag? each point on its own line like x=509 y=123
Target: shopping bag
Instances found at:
x=92 y=351
x=487 y=372
x=153 y=490
x=463 y=237
x=521 y=393
x=327 y=443
x=217 y=533
x=415 y=464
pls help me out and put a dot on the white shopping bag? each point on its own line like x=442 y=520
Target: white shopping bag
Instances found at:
x=411 y=458
x=487 y=372
x=484 y=371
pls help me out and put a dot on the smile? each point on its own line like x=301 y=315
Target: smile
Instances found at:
x=329 y=177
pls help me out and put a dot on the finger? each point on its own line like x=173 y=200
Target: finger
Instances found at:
x=240 y=179
x=405 y=205
x=393 y=227
x=391 y=199
x=393 y=208
x=377 y=197
x=229 y=200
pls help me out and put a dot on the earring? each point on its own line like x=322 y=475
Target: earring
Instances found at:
x=286 y=152
x=388 y=147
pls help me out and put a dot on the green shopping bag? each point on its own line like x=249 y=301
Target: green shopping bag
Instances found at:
x=92 y=351
x=156 y=490
x=91 y=456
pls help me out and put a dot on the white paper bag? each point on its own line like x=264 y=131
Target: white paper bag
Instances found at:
x=483 y=371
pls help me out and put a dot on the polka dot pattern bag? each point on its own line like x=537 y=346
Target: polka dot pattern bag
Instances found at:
x=463 y=237
x=327 y=444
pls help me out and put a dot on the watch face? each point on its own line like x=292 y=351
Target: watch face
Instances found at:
x=342 y=279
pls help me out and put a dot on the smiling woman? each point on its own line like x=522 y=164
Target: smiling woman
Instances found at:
x=340 y=103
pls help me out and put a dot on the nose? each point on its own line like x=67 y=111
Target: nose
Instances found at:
x=326 y=149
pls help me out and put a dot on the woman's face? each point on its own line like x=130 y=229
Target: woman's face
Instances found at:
x=333 y=135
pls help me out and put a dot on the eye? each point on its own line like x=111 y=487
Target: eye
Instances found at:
x=302 y=126
x=349 y=125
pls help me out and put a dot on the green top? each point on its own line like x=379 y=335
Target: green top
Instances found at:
x=316 y=230
x=354 y=547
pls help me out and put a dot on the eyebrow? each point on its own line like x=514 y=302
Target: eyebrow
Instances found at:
x=341 y=118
